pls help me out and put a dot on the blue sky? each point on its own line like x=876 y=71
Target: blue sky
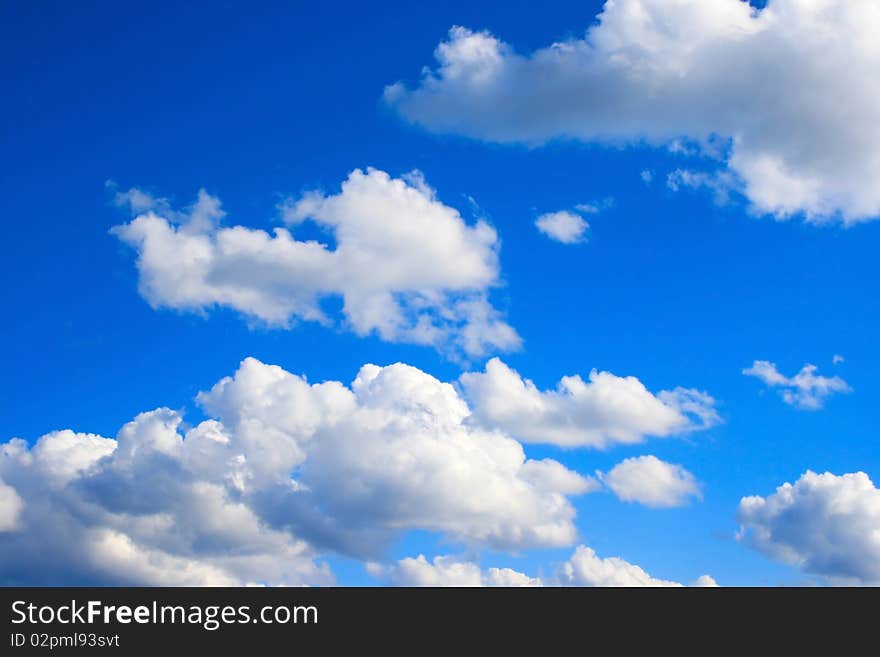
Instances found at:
x=257 y=103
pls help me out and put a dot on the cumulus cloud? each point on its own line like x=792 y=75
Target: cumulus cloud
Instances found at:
x=824 y=524
x=563 y=226
x=10 y=508
x=282 y=472
x=397 y=451
x=138 y=515
x=584 y=568
x=447 y=571
x=603 y=411
x=790 y=90
x=652 y=482
x=806 y=389
x=407 y=267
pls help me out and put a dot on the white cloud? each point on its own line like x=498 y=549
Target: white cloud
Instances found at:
x=595 y=207
x=705 y=581
x=552 y=475
x=806 y=389
x=10 y=508
x=563 y=226
x=447 y=571
x=602 y=411
x=407 y=267
x=509 y=578
x=118 y=553
x=283 y=472
x=719 y=183
x=647 y=176
x=443 y=571
x=792 y=89
x=824 y=524
x=417 y=461
x=652 y=482
x=838 y=359
x=584 y=568
x=139 y=515
x=588 y=208
x=63 y=455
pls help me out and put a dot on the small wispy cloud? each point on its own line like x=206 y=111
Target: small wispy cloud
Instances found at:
x=569 y=226
x=806 y=389
x=595 y=207
x=563 y=226
x=719 y=183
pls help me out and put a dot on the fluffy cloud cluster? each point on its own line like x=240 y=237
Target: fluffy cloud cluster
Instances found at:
x=283 y=471
x=563 y=226
x=584 y=568
x=806 y=389
x=825 y=524
x=790 y=91
x=407 y=267
x=134 y=511
x=448 y=571
x=652 y=482
x=603 y=411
